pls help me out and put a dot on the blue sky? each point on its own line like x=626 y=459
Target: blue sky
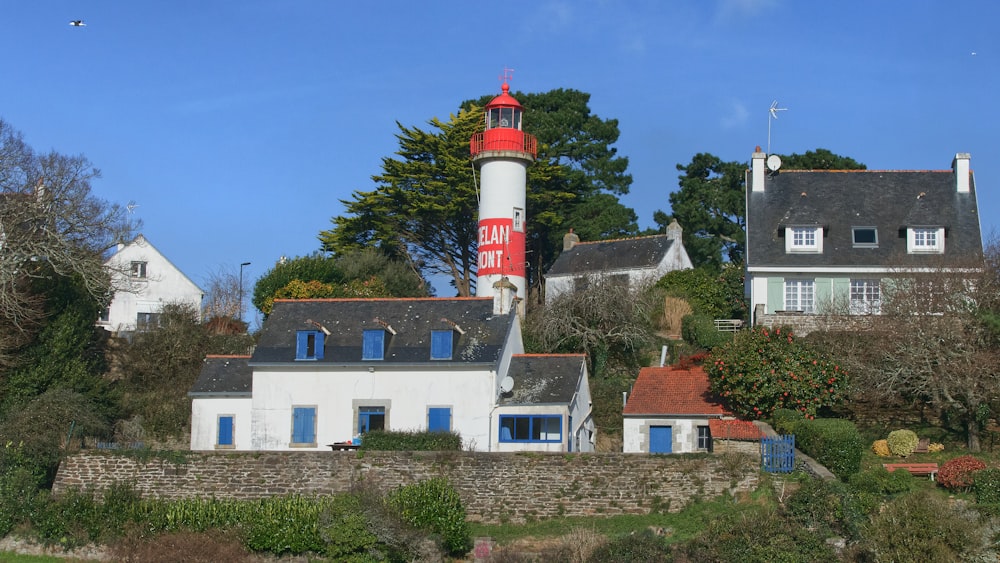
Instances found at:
x=238 y=126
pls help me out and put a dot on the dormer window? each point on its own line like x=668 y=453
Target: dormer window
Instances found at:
x=309 y=345
x=925 y=239
x=865 y=237
x=441 y=344
x=374 y=345
x=804 y=239
x=138 y=270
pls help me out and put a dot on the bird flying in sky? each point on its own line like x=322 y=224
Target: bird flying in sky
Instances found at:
x=77 y=23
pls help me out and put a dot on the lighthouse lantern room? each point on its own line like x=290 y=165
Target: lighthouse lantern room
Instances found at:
x=502 y=153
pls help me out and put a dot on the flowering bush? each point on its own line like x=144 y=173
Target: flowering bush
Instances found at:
x=881 y=448
x=959 y=473
x=902 y=442
x=935 y=447
x=761 y=370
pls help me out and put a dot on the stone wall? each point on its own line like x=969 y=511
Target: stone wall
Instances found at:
x=803 y=324
x=496 y=487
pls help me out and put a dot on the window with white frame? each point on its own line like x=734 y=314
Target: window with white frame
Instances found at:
x=866 y=297
x=925 y=239
x=804 y=239
x=138 y=270
x=800 y=295
x=704 y=438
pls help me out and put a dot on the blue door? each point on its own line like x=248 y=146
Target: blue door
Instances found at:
x=660 y=440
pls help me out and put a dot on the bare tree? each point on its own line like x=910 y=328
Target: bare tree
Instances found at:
x=608 y=321
x=223 y=295
x=933 y=341
x=51 y=224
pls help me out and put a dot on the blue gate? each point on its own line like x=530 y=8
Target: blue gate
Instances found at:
x=777 y=453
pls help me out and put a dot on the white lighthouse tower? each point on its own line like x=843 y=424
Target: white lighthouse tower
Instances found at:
x=502 y=152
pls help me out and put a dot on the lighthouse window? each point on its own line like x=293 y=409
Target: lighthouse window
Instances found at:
x=494 y=118
x=519 y=219
x=516 y=124
x=506 y=117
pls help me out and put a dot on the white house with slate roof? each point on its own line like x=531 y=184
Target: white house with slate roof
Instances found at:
x=634 y=261
x=327 y=370
x=829 y=241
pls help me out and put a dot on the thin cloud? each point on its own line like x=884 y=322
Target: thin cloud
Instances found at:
x=736 y=116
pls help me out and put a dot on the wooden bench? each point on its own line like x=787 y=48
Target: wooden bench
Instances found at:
x=914 y=468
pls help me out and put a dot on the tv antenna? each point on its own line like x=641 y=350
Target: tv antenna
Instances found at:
x=772 y=114
x=131 y=206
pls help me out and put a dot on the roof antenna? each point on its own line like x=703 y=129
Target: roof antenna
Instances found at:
x=772 y=114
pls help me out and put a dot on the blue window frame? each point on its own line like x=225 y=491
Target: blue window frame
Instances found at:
x=225 y=436
x=371 y=418
x=374 y=345
x=530 y=428
x=304 y=425
x=439 y=419
x=309 y=345
x=441 y=343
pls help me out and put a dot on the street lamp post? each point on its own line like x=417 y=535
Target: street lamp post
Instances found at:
x=243 y=265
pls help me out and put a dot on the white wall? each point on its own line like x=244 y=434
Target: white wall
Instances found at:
x=684 y=433
x=335 y=394
x=163 y=284
x=204 y=425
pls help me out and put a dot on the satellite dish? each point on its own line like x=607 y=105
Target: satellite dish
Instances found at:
x=773 y=162
x=506 y=384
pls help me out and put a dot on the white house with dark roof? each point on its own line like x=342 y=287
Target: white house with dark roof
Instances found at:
x=327 y=370
x=146 y=281
x=634 y=261
x=828 y=241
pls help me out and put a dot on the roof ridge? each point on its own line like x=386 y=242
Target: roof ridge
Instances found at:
x=355 y=299
x=846 y=171
x=227 y=356
x=620 y=239
x=541 y=355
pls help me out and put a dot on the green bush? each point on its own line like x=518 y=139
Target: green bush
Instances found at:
x=700 y=331
x=415 y=441
x=784 y=421
x=880 y=481
x=902 y=442
x=986 y=485
x=434 y=505
x=645 y=546
x=833 y=442
x=921 y=526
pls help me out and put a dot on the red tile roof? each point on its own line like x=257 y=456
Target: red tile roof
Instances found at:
x=673 y=390
x=734 y=430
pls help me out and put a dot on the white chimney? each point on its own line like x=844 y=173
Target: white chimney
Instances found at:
x=961 y=167
x=757 y=176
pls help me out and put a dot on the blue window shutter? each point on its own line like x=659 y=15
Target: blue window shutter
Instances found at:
x=320 y=344
x=225 y=431
x=441 y=344
x=302 y=348
x=374 y=345
x=439 y=419
x=303 y=425
x=301 y=343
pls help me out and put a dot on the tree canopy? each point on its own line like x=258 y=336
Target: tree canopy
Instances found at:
x=711 y=202
x=424 y=207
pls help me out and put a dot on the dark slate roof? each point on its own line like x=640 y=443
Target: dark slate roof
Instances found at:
x=543 y=379
x=224 y=376
x=411 y=319
x=601 y=256
x=673 y=390
x=889 y=200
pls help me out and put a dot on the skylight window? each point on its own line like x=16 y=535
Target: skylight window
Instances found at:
x=865 y=236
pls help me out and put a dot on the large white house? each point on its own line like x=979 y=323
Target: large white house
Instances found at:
x=633 y=261
x=328 y=370
x=145 y=281
x=829 y=241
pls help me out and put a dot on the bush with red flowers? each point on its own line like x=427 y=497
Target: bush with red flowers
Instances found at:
x=959 y=473
x=761 y=370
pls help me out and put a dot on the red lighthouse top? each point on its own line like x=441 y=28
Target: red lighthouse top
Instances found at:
x=503 y=129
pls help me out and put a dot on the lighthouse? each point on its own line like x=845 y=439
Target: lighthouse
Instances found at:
x=502 y=153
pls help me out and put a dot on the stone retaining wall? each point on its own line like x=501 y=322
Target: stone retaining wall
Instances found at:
x=496 y=487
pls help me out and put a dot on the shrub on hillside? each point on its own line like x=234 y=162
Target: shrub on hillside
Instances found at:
x=700 y=331
x=902 y=442
x=434 y=505
x=986 y=485
x=881 y=448
x=785 y=420
x=921 y=527
x=957 y=474
x=833 y=442
x=762 y=370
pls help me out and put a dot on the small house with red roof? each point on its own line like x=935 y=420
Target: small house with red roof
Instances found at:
x=672 y=410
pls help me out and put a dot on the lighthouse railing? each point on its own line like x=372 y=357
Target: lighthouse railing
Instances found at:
x=503 y=140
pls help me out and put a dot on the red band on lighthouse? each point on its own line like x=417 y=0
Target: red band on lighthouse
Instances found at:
x=501 y=248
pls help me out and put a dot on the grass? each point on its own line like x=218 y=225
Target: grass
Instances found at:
x=8 y=557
